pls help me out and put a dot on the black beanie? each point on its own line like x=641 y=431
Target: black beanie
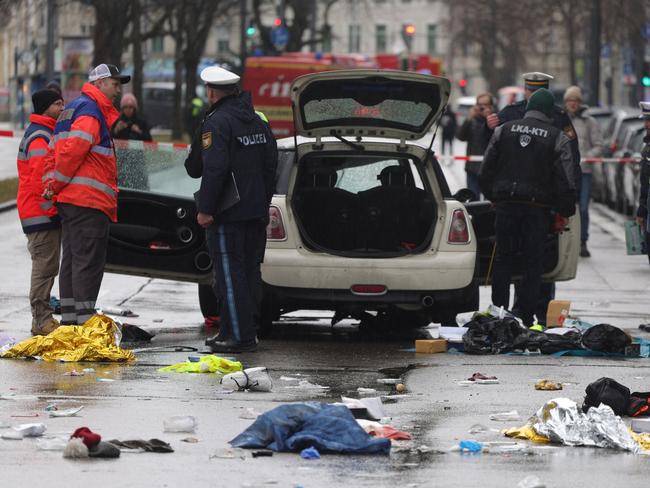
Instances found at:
x=42 y=100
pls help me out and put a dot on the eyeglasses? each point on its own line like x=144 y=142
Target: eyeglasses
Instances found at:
x=128 y=106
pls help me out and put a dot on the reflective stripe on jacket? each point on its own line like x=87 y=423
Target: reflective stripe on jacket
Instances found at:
x=36 y=213
x=85 y=168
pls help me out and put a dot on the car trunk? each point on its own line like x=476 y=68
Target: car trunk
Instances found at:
x=363 y=205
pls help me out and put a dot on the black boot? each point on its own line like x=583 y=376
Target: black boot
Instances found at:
x=584 y=252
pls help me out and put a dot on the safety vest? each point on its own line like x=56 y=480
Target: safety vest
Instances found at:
x=35 y=212
x=85 y=172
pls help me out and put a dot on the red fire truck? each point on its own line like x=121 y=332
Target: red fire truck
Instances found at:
x=268 y=78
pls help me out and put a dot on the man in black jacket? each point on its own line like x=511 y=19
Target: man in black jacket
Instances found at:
x=524 y=173
x=235 y=144
x=475 y=131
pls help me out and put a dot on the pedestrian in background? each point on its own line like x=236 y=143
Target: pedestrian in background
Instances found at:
x=476 y=133
x=449 y=125
x=84 y=186
x=534 y=81
x=524 y=174
x=130 y=125
x=591 y=145
x=132 y=170
x=38 y=216
x=237 y=145
x=642 y=215
x=195 y=113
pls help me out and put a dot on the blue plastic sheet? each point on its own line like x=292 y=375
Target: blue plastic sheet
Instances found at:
x=296 y=426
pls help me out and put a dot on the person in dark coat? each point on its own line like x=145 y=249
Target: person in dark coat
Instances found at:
x=236 y=145
x=524 y=175
x=130 y=125
x=448 y=124
x=642 y=214
x=476 y=133
x=533 y=82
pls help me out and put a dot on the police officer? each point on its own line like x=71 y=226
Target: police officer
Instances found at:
x=524 y=174
x=532 y=82
x=642 y=216
x=236 y=144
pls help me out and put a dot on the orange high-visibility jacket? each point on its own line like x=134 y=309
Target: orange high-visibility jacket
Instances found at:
x=85 y=168
x=35 y=212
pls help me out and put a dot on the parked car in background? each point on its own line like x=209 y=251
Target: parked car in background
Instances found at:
x=5 y=111
x=362 y=221
x=632 y=147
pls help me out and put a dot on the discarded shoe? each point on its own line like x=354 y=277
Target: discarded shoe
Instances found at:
x=584 y=252
x=232 y=346
x=46 y=327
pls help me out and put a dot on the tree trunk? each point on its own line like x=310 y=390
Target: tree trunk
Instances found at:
x=112 y=19
x=177 y=122
x=138 y=63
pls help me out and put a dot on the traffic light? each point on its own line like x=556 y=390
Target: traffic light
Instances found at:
x=251 y=30
x=645 y=74
x=408 y=32
x=462 y=84
x=277 y=22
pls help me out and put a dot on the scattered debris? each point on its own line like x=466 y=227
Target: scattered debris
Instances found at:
x=389 y=381
x=254 y=379
x=190 y=440
x=206 y=364
x=512 y=415
x=482 y=379
x=470 y=446
x=257 y=454
x=69 y=412
x=180 y=423
x=531 y=481
x=547 y=385
x=310 y=453
x=249 y=414
x=400 y=388
x=366 y=391
x=228 y=453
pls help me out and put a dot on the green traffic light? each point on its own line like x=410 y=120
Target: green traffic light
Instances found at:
x=251 y=31
x=645 y=81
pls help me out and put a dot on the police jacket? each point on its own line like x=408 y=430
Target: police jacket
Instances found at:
x=561 y=121
x=85 y=168
x=524 y=163
x=645 y=182
x=35 y=212
x=235 y=140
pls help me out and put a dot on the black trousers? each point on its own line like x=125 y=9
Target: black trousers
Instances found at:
x=84 y=241
x=520 y=229
x=237 y=251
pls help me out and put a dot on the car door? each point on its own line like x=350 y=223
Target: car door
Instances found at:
x=561 y=249
x=156 y=233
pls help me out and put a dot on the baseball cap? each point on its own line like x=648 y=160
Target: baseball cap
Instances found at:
x=102 y=71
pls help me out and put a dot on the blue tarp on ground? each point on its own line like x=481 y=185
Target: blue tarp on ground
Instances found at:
x=296 y=426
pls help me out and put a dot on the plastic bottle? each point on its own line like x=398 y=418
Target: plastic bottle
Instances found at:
x=180 y=423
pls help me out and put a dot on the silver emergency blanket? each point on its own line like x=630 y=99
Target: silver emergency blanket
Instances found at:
x=562 y=421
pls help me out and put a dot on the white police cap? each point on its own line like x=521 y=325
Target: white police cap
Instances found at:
x=535 y=80
x=645 y=110
x=216 y=75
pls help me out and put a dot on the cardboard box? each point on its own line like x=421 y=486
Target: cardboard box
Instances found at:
x=430 y=346
x=556 y=309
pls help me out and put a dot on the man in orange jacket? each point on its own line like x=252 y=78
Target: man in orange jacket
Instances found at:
x=38 y=216
x=84 y=185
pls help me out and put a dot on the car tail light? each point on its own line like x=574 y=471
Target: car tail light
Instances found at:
x=368 y=289
x=275 y=230
x=458 y=231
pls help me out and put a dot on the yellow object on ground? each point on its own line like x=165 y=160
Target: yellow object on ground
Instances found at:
x=547 y=385
x=207 y=364
x=525 y=432
x=643 y=439
x=92 y=341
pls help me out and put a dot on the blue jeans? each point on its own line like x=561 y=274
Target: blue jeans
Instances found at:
x=585 y=196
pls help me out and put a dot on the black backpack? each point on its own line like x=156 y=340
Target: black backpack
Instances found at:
x=609 y=392
x=606 y=338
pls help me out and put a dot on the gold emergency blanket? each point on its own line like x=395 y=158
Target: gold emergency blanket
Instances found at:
x=207 y=364
x=92 y=341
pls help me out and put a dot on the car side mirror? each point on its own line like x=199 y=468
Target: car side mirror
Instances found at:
x=465 y=195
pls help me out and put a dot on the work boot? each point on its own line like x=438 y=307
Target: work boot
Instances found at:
x=232 y=346
x=46 y=327
x=584 y=252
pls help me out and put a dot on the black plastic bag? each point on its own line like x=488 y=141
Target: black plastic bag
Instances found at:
x=494 y=336
x=569 y=341
x=606 y=338
x=609 y=392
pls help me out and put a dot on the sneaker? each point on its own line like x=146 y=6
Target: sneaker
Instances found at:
x=46 y=327
x=232 y=346
x=584 y=252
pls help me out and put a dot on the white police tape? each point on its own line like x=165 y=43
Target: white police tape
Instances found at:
x=448 y=158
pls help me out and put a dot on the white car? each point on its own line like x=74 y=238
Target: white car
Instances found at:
x=362 y=220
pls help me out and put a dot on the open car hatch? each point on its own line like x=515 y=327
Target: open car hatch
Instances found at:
x=368 y=102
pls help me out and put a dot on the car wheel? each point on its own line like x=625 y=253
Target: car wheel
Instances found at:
x=208 y=301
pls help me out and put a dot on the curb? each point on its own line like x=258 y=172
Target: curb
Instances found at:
x=6 y=206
